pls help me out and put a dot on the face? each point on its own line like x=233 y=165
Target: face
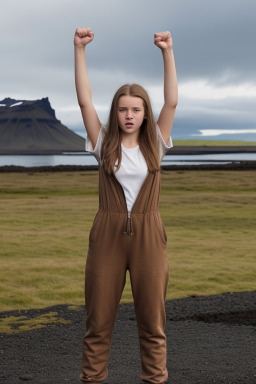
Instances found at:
x=130 y=113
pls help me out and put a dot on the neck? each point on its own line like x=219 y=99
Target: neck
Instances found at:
x=130 y=140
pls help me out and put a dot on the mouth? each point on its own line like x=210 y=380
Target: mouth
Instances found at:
x=129 y=124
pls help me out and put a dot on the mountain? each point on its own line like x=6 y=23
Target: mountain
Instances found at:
x=31 y=127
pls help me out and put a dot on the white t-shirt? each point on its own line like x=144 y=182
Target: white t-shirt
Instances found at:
x=133 y=169
x=132 y=173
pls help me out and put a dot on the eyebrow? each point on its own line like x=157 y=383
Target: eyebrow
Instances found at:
x=132 y=107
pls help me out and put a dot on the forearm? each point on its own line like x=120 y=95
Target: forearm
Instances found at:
x=170 y=78
x=83 y=88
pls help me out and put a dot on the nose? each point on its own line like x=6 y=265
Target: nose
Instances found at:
x=129 y=114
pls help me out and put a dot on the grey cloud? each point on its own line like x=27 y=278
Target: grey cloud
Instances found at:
x=212 y=39
x=209 y=37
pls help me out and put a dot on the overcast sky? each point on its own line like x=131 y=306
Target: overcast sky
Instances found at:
x=214 y=50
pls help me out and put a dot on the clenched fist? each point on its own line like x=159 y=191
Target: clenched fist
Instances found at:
x=83 y=36
x=163 y=40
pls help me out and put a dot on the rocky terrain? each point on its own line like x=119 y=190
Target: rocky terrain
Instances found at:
x=210 y=340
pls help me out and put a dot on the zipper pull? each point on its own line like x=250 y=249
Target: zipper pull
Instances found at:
x=129 y=223
x=126 y=224
x=128 y=228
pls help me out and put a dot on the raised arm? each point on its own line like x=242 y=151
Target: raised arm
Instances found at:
x=163 y=40
x=84 y=36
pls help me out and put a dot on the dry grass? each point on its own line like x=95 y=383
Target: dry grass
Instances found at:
x=46 y=218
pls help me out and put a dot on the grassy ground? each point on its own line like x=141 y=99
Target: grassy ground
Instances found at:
x=45 y=221
x=213 y=142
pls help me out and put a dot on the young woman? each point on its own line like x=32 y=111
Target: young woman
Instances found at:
x=127 y=232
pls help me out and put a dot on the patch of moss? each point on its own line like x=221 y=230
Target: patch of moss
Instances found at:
x=18 y=324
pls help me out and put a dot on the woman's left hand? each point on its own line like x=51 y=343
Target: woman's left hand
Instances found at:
x=163 y=40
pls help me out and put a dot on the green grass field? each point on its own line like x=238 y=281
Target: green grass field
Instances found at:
x=45 y=221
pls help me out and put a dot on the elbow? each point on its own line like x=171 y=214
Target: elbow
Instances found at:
x=171 y=101
x=81 y=103
x=174 y=101
x=172 y=104
x=84 y=99
x=84 y=103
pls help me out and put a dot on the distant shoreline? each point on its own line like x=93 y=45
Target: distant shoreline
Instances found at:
x=176 y=150
x=209 y=150
x=233 y=166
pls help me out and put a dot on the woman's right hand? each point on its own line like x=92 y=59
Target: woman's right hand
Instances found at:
x=83 y=36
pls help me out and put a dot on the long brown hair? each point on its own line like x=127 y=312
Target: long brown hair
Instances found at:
x=111 y=146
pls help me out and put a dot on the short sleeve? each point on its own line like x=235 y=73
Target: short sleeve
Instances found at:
x=97 y=149
x=163 y=146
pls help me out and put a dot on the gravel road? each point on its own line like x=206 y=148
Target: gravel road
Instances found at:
x=211 y=339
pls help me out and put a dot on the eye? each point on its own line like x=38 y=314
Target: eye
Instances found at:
x=121 y=109
x=136 y=110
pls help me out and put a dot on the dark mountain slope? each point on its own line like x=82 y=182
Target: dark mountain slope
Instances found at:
x=31 y=127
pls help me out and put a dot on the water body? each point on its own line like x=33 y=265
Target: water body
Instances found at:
x=87 y=159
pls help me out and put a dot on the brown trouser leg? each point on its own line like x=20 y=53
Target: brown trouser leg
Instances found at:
x=105 y=274
x=149 y=271
x=110 y=254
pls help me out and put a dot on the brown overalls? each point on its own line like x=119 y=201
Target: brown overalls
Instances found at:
x=118 y=243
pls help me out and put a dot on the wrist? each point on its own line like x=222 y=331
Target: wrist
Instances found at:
x=167 y=54
x=79 y=46
x=166 y=50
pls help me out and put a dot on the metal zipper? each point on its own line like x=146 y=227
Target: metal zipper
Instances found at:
x=129 y=229
x=128 y=226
